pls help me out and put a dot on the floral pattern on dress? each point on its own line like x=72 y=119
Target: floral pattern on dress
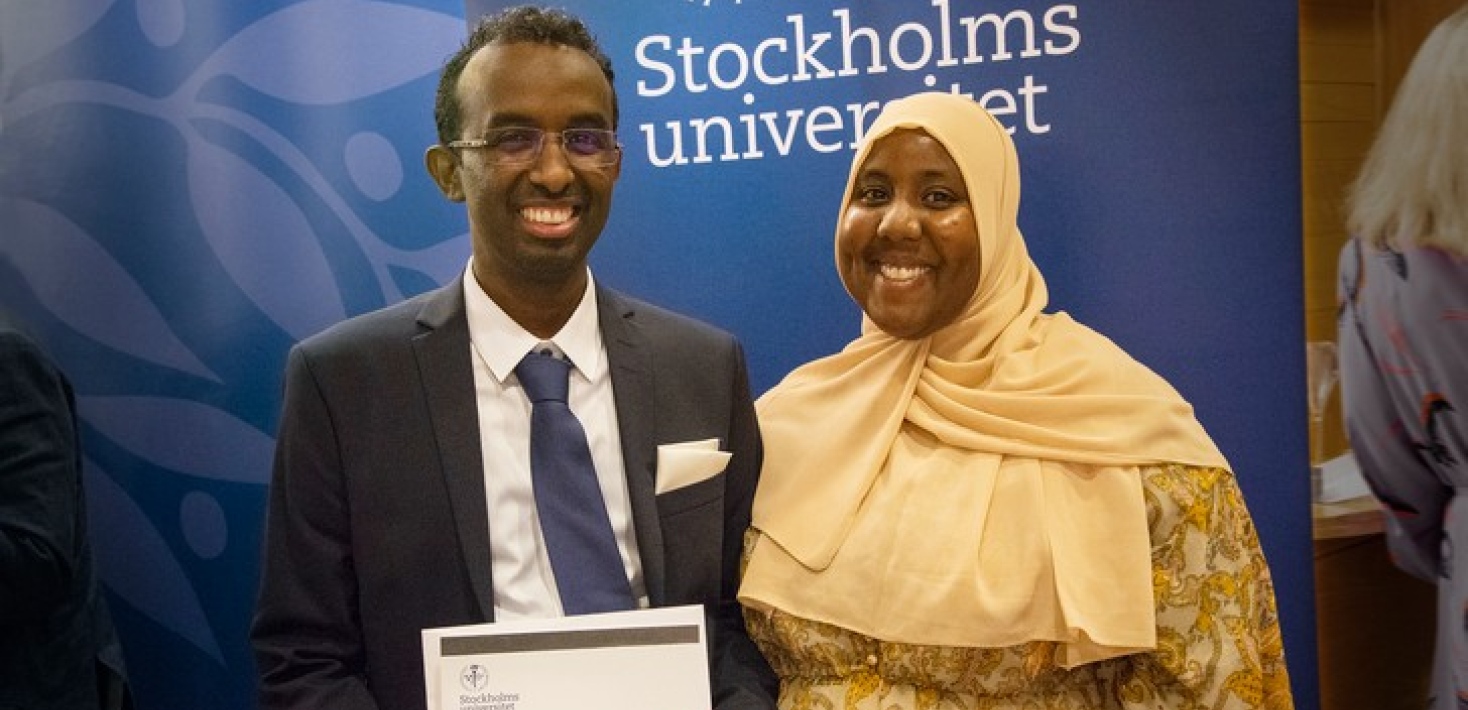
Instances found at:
x=1219 y=645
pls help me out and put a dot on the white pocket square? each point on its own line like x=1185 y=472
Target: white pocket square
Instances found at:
x=688 y=462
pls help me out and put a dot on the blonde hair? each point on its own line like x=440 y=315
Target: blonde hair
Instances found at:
x=1413 y=187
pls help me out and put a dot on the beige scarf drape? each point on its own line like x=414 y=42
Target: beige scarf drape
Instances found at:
x=978 y=487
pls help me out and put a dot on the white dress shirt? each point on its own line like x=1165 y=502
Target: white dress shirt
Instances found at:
x=524 y=585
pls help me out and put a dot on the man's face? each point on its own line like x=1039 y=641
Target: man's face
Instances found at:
x=531 y=224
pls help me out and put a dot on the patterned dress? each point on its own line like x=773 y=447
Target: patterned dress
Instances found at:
x=1404 y=390
x=1218 y=636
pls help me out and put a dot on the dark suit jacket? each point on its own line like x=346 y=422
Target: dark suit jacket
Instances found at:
x=54 y=625
x=378 y=524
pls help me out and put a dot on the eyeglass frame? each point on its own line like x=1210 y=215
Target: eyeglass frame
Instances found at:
x=612 y=155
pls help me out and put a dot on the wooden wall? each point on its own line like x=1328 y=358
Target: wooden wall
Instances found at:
x=1339 y=111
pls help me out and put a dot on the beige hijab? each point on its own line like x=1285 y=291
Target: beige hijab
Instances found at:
x=978 y=487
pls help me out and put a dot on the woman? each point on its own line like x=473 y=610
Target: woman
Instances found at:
x=1404 y=334
x=976 y=504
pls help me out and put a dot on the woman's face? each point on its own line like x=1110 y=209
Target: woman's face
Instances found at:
x=908 y=245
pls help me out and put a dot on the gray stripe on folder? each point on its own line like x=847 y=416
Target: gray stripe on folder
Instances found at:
x=561 y=640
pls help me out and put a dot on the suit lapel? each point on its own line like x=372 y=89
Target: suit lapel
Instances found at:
x=631 y=369
x=446 y=371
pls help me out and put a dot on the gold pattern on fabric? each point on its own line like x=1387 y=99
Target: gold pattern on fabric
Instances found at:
x=1219 y=643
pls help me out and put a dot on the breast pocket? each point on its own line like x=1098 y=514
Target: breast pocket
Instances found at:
x=692 y=519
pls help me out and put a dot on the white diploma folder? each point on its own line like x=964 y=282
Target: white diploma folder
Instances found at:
x=647 y=659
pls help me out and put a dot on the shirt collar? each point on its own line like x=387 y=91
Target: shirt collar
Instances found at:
x=502 y=343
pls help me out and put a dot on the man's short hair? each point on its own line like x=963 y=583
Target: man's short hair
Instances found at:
x=525 y=23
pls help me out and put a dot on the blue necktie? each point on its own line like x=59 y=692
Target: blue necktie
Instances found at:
x=573 y=514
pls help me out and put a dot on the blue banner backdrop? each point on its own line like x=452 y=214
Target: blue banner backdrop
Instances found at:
x=1159 y=148
x=187 y=188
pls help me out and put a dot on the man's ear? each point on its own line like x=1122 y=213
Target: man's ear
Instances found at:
x=443 y=165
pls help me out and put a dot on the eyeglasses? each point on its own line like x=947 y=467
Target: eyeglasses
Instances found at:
x=583 y=147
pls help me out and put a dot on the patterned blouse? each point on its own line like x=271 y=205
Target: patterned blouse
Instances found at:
x=1218 y=637
x=1404 y=391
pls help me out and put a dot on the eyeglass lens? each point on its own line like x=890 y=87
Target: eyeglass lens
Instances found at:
x=525 y=144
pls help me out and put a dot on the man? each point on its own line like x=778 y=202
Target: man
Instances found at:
x=402 y=495
x=58 y=650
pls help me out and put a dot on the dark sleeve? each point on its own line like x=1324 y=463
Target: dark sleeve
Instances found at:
x=40 y=483
x=741 y=678
x=306 y=637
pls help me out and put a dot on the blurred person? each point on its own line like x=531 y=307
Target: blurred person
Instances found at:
x=1403 y=334
x=58 y=649
x=978 y=504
